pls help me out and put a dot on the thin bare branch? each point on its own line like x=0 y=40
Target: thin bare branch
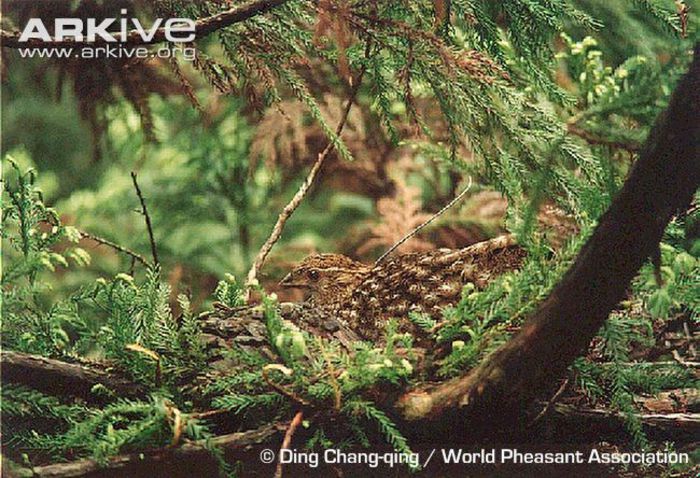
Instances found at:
x=101 y=240
x=432 y=218
x=592 y=139
x=149 y=226
x=203 y=27
x=552 y=401
x=303 y=189
x=293 y=425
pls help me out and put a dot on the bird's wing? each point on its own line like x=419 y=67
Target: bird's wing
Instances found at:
x=427 y=282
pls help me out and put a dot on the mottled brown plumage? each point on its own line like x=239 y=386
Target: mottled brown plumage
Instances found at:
x=364 y=297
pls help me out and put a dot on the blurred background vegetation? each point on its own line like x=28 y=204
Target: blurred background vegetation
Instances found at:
x=216 y=175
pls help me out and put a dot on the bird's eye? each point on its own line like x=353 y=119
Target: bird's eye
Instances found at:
x=312 y=274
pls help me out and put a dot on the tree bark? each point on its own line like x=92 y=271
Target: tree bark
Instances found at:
x=55 y=377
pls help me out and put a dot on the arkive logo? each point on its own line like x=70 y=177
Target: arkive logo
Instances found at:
x=77 y=29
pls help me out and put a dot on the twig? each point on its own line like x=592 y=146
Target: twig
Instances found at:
x=590 y=138
x=296 y=421
x=677 y=357
x=208 y=413
x=106 y=242
x=203 y=27
x=337 y=402
x=551 y=401
x=301 y=192
x=683 y=10
x=144 y=211
x=287 y=393
x=417 y=229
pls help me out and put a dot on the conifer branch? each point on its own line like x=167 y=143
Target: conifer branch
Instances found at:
x=203 y=27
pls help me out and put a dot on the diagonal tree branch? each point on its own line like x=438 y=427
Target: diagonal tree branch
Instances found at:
x=101 y=240
x=303 y=189
x=661 y=183
x=203 y=27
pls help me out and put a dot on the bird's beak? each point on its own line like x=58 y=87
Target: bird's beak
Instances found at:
x=287 y=281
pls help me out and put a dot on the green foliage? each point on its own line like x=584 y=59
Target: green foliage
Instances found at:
x=23 y=402
x=391 y=434
x=229 y=293
x=121 y=427
x=288 y=340
x=617 y=334
x=616 y=380
x=423 y=321
x=636 y=27
x=618 y=105
x=678 y=290
x=206 y=196
x=482 y=319
x=239 y=404
x=324 y=376
x=120 y=320
x=676 y=294
x=648 y=379
x=498 y=90
x=140 y=315
x=30 y=233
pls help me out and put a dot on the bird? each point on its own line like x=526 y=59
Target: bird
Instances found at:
x=365 y=297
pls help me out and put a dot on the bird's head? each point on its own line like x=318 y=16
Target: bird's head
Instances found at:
x=326 y=278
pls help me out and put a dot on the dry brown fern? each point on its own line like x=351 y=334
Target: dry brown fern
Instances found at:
x=399 y=215
x=288 y=140
x=333 y=23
